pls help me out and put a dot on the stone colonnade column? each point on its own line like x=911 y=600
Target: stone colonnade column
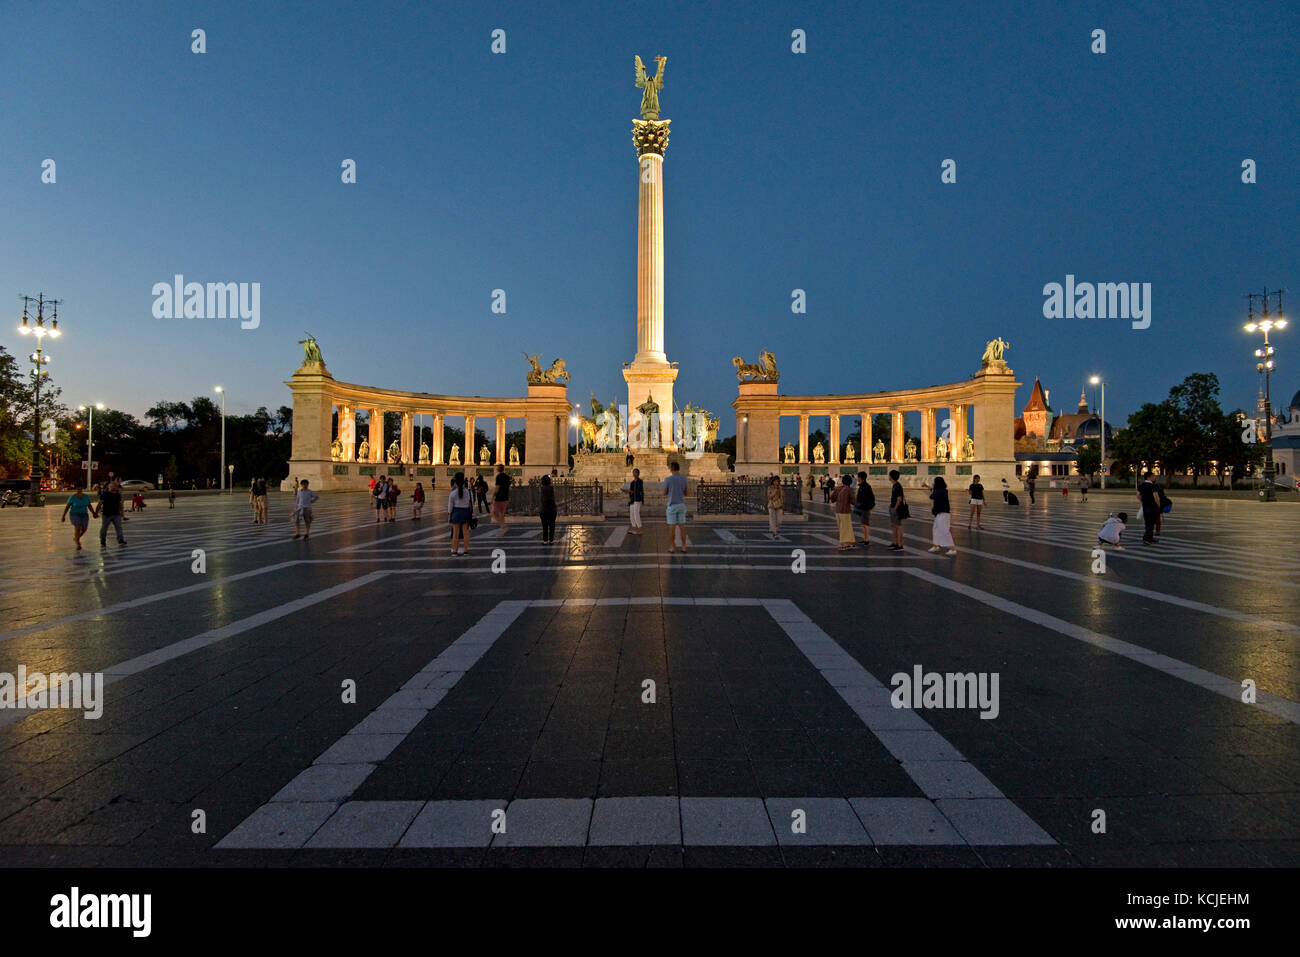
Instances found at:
x=927 y=435
x=865 y=454
x=408 y=438
x=436 y=455
x=502 y=457
x=469 y=441
x=803 y=438
x=835 y=439
x=896 y=437
x=348 y=427
x=376 y=438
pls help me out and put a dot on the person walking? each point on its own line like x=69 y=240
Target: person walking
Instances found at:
x=110 y=513
x=547 y=511
x=844 y=513
x=1147 y=494
x=976 y=503
x=171 y=496
x=380 y=493
x=898 y=511
x=303 y=500
x=501 y=497
x=635 y=499
x=79 y=505
x=866 y=501
x=460 y=512
x=1030 y=480
x=1083 y=488
x=828 y=486
x=775 y=505
x=417 y=501
x=675 y=490
x=942 y=512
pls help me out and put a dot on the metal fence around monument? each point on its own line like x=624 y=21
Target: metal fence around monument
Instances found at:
x=571 y=498
x=743 y=498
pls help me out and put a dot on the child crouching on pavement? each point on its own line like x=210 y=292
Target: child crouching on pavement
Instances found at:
x=1112 y=529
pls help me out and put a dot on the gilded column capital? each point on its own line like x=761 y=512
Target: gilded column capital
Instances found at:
x=650 y=136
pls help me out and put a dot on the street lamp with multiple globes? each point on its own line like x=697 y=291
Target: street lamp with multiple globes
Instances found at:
x=223 y=437
x=90 y=440
x=39 y=372
x=1098 y=380
x=1265 y=363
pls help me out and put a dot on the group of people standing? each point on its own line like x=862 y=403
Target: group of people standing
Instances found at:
x=385 y=493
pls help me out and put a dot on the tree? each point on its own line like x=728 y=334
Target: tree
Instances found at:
x=1148 y=438
x=1089 y=457
x=1197 y=421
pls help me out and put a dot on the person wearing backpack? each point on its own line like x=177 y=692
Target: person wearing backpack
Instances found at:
x=865 y=503
x=393 y=492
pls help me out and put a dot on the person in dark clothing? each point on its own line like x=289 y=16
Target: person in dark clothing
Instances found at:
x=1149 y=496
x=828 y=487
x=942 y=512
x=501 y=498
x=1029 y=486
x=977 y=503
x=480 y=493
x=548 y=511
x=110 y=513
x=898 y=511
x=635 y=499
x=865 y=503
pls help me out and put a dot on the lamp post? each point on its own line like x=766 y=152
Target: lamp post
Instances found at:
x=223 y=437
x=1098 y=380
x=39 y=372
x=90 y=440
x=1266 y=364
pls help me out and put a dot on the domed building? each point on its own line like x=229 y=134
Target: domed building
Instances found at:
x=1286 y=442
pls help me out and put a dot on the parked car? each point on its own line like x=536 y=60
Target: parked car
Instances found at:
x=136 y=485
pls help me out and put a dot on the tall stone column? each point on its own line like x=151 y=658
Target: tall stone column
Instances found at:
x=469 y=450
x=803 y=439
x=959 y=433
x=927 y=435
x=650 y=373
x=864 y=453
x=348 y=432
x=896 y=438
x=408 y=438
x=835 y=440
x=502 y=453
x=436 y=453
x=376 y=435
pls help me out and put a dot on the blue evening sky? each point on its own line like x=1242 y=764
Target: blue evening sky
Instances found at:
x=818 y=171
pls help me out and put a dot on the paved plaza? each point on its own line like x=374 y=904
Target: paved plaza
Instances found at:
x=604 y=702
